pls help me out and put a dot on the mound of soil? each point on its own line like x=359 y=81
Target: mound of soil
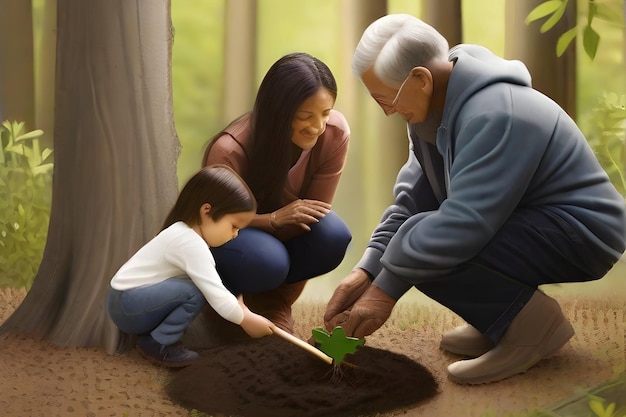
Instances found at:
x=270 y=377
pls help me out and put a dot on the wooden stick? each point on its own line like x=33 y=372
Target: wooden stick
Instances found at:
x=302 y=344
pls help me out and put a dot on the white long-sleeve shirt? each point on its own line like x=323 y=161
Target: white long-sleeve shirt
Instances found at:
x=179 y=251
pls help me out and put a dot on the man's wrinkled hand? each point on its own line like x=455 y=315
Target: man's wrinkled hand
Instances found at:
x=347 y=292
x=369 y=313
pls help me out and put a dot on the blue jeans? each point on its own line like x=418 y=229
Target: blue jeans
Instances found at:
x=534 y=247
x=164 y=310
x=256 y=261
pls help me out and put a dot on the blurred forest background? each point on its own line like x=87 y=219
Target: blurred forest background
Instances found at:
x=200 y=82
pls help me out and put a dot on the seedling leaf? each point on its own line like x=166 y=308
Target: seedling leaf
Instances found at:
x=336 y=344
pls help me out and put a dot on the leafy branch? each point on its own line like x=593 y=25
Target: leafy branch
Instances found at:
x=554 y=10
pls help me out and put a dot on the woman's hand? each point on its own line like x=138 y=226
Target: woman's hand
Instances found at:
x=301 y=213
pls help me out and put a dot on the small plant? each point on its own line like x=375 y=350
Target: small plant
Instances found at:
x=336 y=344
x=25 y=198
x=596 y=405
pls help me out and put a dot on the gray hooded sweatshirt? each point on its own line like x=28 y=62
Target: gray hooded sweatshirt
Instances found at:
x=501 y=146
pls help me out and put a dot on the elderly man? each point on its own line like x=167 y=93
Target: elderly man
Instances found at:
x=501 y=193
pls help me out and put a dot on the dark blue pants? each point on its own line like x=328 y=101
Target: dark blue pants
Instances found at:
x=534 y=247
x=257 y=262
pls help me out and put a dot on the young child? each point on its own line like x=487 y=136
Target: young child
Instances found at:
x=163 y=287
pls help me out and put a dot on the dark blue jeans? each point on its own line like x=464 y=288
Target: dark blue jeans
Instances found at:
x=534 y=247
x=164 y=310
x=257 y=262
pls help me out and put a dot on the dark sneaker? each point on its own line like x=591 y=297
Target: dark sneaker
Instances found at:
x=173 y=356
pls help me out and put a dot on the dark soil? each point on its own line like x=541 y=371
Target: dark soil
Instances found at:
x=270 y=377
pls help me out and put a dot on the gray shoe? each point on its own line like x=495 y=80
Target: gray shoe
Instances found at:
x=538 y=331
x=466 y=340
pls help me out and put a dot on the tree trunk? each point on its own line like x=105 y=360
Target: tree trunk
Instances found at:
x=239 y=88
x=115 y=167
x=445 y=16
x=45 y=62
x=379 y=143
x=17 y=92
x=554 y=76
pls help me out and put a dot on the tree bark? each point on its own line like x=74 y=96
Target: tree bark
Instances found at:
x=445 y=16
x=115 y=169
x=17 y=92
x=554 y=76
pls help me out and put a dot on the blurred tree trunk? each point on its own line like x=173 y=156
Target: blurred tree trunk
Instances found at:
x=379 y=145
x=45 y=61
x=445 y=16
x=115 y=170
x=554 y=76
x=17 y=92
x=239 y=87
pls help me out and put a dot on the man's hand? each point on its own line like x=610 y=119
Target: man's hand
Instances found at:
x=369 y=313
x=349 y=290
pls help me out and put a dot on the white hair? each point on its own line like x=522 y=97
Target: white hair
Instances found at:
x=394 y=44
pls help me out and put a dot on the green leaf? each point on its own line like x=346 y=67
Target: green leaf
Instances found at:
x=17 y=149
x=43 y=169
x=596 y=407
x=336 y=345
x=14 y=128
x=7 y=125
x=542 y=10
x=564 y=40
x=591 y=39
x=609 y=410
x=554 y=19
x=45 y=154
x=30 y=135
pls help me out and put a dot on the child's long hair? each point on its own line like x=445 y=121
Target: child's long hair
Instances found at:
x=217 y=185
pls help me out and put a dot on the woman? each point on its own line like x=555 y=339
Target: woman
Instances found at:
x=290 y=149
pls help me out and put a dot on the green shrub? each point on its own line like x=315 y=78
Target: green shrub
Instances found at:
x=25 y=198
x=605 y=129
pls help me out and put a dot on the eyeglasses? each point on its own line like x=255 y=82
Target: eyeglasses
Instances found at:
x=394 y=103
x=390 y=108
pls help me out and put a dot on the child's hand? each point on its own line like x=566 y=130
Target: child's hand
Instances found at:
x=253 y=324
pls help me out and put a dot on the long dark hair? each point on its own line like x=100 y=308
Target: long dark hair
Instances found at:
x=217 y=185
x=286 y=85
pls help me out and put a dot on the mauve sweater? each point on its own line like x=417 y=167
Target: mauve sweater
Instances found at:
x=315 y=175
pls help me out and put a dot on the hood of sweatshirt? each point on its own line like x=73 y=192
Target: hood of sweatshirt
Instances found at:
x=482 y=67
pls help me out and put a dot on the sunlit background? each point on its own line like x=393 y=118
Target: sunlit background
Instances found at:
x=318 y=27
x=286 y=26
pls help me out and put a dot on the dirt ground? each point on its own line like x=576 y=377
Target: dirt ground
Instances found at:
x=39 y=379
